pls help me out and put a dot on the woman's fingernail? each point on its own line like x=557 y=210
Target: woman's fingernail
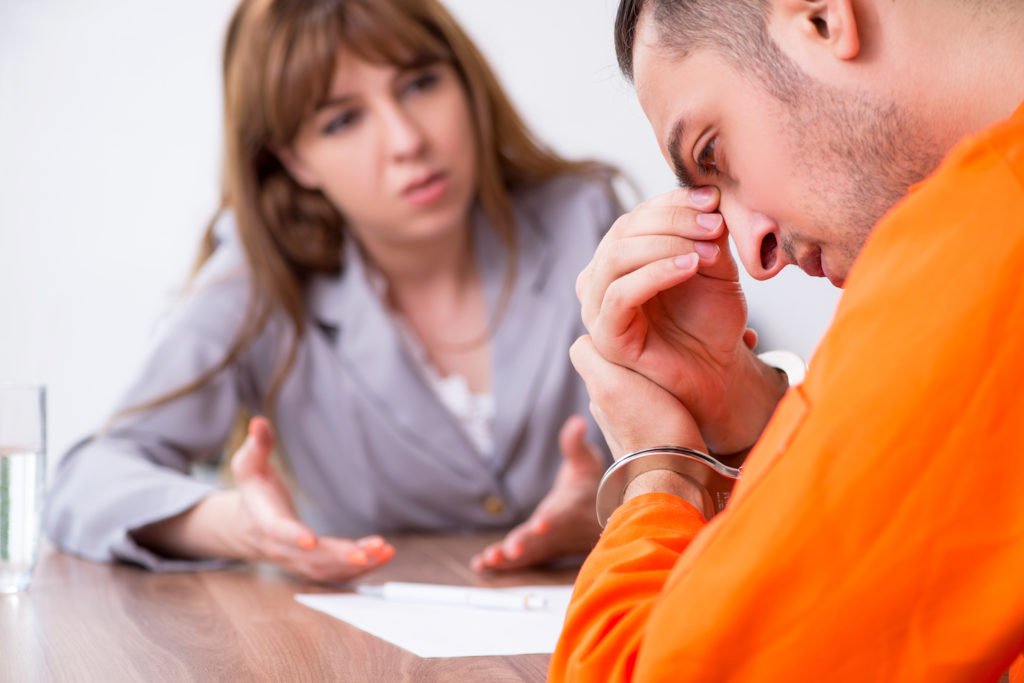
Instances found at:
x=709 y=221
x=541 y=526
x=357 y=557
x=372 y=542
x=707 y=250
x=686 y=262
x=702 y=195
x=307 y=541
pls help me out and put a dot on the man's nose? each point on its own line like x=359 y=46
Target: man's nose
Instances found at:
x=758 y=243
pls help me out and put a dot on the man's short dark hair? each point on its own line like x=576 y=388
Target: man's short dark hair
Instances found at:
x=736 y=29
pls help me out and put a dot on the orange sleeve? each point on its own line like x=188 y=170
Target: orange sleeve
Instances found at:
x=648 y=532
x=878 y=530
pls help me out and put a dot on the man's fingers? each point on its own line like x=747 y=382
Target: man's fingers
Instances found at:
x=704 y=198
x=672 y=220
x=592 y=367
x=618 y=259
x=252 y=457
x=723 y=267
x=750 y=338
x=604 y=379
x=625 y=296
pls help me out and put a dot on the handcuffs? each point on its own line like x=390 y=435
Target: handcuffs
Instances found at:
x=715 y=478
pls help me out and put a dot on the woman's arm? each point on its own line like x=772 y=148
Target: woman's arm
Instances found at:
x=257 y=522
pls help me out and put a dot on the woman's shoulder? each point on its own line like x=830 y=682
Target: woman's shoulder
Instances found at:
x=573 y=203
x=581 y=192
x=216 y=298
x=226 y=262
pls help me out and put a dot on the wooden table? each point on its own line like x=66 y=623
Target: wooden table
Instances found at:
x=88 y=622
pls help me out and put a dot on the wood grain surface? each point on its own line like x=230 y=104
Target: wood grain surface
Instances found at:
x=91 y=622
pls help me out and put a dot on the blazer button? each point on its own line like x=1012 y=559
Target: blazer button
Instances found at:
x=494 y=505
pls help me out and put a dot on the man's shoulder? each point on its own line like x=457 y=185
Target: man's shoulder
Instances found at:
x=998 y=150
x=1007 y=141
x=971 y=210
x=942 y=269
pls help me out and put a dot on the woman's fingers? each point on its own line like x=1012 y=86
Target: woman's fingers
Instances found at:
x=579 y=455
x=265 y=498
x=334 y=560
x=572 y=441
x=281 y=526
x=253 y=457
x=279 y=535
x=508 y=553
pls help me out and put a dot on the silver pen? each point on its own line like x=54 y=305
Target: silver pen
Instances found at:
x=453 y=595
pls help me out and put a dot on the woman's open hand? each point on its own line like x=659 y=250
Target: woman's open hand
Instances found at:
x=256 y=521
x=564 y=522
x=271 y=531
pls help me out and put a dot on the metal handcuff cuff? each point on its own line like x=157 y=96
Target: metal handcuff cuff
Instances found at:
x=715 y=478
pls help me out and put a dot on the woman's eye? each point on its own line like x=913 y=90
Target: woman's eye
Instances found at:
x=342 y=121
x=707 y=161
x=423 y=82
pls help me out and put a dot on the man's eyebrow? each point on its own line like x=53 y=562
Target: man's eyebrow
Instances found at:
x=683 y=175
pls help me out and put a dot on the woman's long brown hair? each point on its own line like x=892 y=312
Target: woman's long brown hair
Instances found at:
x=279 y=61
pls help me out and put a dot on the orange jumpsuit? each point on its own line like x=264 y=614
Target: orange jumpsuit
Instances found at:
x=877 y=532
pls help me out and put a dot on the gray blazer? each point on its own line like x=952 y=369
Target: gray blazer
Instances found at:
x=369 y=445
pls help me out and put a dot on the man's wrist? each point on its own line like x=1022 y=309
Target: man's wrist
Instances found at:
x=758 y=390
x=667 y=481
x=713 y=480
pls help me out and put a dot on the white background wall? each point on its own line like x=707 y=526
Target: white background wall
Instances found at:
x=109 y=162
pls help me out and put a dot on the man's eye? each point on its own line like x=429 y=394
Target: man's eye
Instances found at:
x=342 y=121
x=707 y=161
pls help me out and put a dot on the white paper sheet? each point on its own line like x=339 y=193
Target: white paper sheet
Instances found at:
x=429 y=630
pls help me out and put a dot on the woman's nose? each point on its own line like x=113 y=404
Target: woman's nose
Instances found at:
x=404 y=138
x=758 y=242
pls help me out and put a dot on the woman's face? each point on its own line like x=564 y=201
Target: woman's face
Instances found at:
x=394 y=149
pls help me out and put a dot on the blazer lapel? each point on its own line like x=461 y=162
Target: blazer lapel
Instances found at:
x=371 y=351
x=525 y=337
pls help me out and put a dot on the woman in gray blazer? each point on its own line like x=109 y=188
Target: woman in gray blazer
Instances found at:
x=390 y=283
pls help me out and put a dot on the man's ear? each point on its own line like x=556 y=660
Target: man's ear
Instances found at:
x=296 y=168
x=818 y=25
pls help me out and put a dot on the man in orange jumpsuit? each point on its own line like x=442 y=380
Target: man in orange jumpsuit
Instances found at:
x=877 y=530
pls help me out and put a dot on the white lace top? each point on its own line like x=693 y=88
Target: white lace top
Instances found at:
x=474 y=412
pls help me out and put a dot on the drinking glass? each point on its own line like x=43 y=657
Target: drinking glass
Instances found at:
x=22 y=481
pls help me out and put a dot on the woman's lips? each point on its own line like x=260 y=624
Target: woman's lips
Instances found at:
x=427 y=191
